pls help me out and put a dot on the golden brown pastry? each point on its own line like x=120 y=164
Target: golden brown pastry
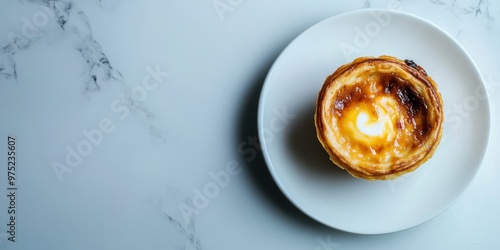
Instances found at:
x=379 y=117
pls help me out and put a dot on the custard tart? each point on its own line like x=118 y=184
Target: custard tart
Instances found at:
x=379 y=117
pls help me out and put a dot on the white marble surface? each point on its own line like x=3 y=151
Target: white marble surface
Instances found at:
x=161 y=96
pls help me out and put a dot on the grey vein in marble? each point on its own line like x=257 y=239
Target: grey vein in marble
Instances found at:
x=98 y=68
x=478 y=9
x=7 y=65
x=8 y=68
x=188 y=230
x=367 y=4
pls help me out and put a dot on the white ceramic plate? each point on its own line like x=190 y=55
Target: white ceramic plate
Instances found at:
x=301 y=167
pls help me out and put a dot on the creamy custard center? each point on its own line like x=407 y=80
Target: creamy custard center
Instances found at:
x=380 y=119
x=372 y=126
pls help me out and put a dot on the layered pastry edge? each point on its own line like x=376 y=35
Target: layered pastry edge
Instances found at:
x=401 y=92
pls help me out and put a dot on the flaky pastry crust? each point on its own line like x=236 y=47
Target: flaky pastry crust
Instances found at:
x=379 y=117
